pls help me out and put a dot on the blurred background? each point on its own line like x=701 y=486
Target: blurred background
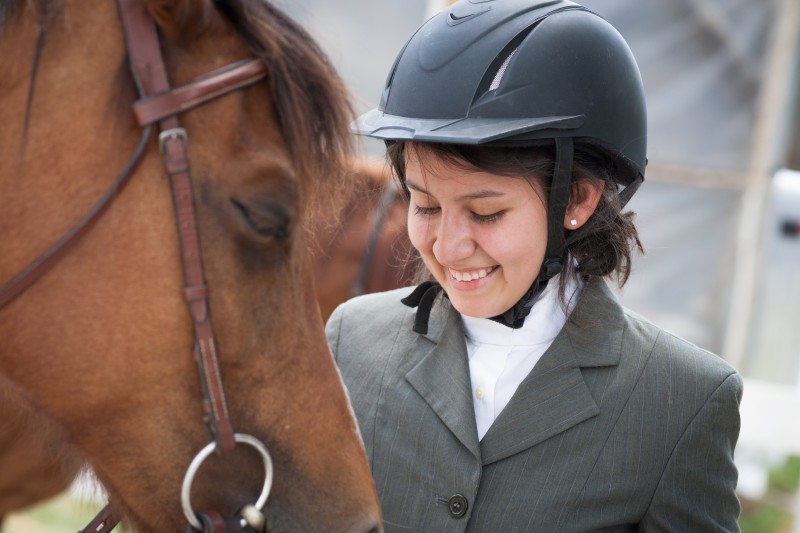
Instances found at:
x=719 y=212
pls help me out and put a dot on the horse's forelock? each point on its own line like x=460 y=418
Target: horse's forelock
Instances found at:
x=311 y=101
x=47 y=12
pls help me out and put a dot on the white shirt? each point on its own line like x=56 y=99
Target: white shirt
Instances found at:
x=501 y=357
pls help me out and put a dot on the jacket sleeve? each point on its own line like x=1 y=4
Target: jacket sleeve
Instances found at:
x=697 y=490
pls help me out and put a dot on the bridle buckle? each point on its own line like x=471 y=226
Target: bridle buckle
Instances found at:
x=170 y=134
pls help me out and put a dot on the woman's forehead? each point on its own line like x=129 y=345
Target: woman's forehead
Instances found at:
x=441 y=179
x=423 y=164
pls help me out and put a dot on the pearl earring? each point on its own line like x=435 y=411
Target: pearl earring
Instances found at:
x=573 y=222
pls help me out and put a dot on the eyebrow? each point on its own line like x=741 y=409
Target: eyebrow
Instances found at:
x=483 y=193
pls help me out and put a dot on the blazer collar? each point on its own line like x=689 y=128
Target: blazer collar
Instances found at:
x=442 y=377
x=550 y=400
x=594 y=329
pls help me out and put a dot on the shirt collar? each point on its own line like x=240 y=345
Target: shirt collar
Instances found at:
x=545 y=320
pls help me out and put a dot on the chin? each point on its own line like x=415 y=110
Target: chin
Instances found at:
x=475 y=310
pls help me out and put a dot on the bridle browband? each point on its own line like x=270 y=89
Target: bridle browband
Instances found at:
x=160 y=104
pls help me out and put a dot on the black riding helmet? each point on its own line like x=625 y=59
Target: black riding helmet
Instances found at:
x=515 y=73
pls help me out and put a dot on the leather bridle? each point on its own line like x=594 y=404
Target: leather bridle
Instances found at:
x=159 y=105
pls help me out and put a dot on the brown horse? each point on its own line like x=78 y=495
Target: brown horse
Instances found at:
x=362 y=247
x=96 y=354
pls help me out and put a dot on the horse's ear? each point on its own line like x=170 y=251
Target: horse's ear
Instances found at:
x=180 y=20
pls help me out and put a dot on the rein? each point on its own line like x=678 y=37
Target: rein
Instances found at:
x=388 y=198
x=160 y=103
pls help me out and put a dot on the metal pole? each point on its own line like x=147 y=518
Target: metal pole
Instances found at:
x=776 y=107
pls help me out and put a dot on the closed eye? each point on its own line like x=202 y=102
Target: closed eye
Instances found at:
x=477 y=217
x=268 y=220
x=487 y=219
x=419 y=210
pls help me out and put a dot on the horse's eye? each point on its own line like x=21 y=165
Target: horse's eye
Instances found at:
x=268 y=218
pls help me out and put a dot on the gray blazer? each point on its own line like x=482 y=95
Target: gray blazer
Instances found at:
x=620 y=426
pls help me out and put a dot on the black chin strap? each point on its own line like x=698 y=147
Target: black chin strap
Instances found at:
x=422 y=297
x=515 y=317
x=556 y=210
x=425 y=293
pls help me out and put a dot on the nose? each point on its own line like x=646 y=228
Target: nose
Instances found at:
x=454 y=240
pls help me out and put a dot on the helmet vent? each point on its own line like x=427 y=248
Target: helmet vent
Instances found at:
x=496 y=70
x=499 y=76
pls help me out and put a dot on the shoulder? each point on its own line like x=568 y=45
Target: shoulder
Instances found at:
x=673 y=356
x=377 y=310
x=362 y=322
x=688 y=385
x=609 y=334
x=387 y=303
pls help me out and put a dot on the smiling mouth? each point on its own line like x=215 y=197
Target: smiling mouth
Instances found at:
x=471 y=275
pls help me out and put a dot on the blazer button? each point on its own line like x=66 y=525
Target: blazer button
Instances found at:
x=457 y=506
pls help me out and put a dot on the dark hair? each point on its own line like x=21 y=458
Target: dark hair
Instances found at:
x=603 y=246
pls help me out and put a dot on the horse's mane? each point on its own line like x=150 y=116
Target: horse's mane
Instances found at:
x=7 y=10
x=311 y=101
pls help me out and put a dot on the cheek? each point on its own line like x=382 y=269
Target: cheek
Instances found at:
x=523 y=248
x=535 y=245
x=419 y=233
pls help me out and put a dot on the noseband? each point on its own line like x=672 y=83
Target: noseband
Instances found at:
x=159 y=104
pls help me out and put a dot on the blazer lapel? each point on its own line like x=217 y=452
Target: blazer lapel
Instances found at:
x=442 y=377
x=554 y=396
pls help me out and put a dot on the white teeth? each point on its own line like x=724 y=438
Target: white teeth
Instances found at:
x=469 y=276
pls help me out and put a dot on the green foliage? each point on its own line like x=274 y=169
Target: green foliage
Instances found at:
x=773 y=514
x=787 y=476
x=765 y=518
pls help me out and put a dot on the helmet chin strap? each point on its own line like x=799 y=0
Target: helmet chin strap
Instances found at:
x=424 y=295
x=556 y=209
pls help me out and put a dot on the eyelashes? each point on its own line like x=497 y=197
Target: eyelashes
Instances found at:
x=267 y=219
x=425 y=211
x=486 y=219
x=481 y=219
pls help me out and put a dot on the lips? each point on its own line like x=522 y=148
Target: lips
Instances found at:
x=471 y=275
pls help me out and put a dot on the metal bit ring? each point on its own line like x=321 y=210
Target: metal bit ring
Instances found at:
x=194 y=466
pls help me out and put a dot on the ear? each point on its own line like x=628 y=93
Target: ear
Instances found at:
x=180 y=20
x=583 y=199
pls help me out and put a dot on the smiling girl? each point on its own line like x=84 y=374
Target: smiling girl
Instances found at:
x=511 y=391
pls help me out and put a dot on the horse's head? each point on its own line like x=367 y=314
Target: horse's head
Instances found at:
x=102 y=344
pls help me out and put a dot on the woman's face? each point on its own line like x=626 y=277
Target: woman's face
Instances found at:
x=483 y=236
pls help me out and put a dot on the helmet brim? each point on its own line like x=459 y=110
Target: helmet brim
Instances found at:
x=469 y=130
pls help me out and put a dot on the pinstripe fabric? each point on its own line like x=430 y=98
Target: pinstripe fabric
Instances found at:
x=620 y=426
